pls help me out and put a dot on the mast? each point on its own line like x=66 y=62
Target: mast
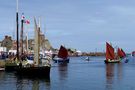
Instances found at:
x=27 y=41
x=17 y=32
x=36 y=46
x=22 y=21
x=39 y=38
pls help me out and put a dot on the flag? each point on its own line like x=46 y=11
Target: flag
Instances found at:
x=27 y=21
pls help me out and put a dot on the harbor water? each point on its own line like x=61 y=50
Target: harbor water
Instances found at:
x=78 y=74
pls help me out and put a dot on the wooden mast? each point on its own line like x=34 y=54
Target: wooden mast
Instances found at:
x=17 y=31
x=22 y=21
x=27 y=41
x=36 y=46
x=38 y=39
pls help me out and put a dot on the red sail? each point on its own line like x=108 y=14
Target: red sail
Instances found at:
x=109 y=52
x=63 y=53
x=119 y=53
x=124 y=54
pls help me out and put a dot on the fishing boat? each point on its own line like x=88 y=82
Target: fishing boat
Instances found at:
x=37 y=69
x=62 y=56
x=111 y=57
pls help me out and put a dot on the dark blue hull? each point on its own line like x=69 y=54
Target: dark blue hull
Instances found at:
x=61 y=60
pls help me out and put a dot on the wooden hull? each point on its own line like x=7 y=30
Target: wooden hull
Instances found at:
x=10 y=66
x=112 y=61
x=39 y=72
x=61 y=60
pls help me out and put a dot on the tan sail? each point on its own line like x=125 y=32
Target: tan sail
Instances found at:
x=36 y=46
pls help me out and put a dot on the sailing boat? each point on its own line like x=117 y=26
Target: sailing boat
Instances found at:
x=121 y=53
x=37 y=69
x=110 y=55
x=62 y=56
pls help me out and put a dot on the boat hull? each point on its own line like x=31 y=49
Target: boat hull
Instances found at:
x=60 y=60
x=112 y=61
x=10 y=66
x=41 y=72
x=2 y=69
x=87 y=59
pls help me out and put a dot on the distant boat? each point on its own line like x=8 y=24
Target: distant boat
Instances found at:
x=62 y=56
x=133 y=53
x=110 y=54
x=37 y=69
x=87 y=58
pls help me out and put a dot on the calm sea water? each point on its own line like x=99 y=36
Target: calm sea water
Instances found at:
x=78 y=75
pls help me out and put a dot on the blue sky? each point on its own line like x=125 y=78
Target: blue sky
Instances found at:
x=82 y=24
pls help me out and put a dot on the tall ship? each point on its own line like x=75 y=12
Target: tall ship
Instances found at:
x=37 y=69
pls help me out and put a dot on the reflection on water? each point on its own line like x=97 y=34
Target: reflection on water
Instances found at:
x=109 y=75
x=119 y=71
x=32 y=84
x=2 y=74
x=63 y=71
x=35 y=85
x=77 y=75
x=113 y=73
x=19 y=84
